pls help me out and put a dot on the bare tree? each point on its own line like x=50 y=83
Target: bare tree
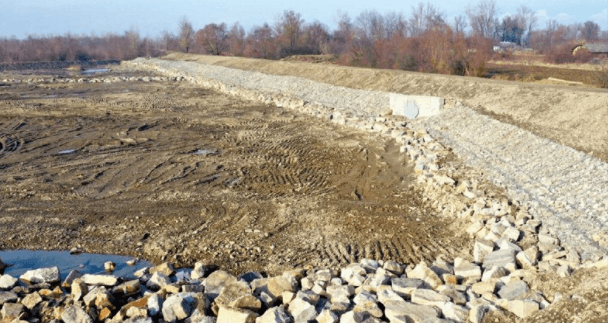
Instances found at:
x=395 y=24
x=590 y=31
x=370 y=26
x=186 y=34
x=526 y=20
x=289 y=26
x=551 y=31
x=425 y=17
x=166 y=39
x=132 y=36
x=343 y=36
x=236 y=39
x=460 y=24
x=213 y=38
x=482 y=18
x=317 y=37
x=261 y=43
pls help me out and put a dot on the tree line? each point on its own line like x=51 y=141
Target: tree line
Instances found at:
x=422 y=41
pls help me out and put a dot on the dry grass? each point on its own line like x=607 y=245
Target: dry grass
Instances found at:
x=588 y=74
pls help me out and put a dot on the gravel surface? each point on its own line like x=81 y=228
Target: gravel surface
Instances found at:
x=566 y=188
x=357 y=102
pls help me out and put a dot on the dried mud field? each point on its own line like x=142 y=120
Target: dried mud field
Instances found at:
x=169 y=171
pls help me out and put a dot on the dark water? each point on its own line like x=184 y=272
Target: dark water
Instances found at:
x=85 y=263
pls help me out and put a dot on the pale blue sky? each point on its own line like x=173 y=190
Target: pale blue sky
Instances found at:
x=150 y=17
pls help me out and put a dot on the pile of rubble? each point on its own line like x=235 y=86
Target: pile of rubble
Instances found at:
x=367 y=291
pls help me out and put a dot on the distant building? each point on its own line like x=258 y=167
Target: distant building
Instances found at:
x=598 y=48
x=506 y=46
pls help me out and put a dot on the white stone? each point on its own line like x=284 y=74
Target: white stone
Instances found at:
x=327 y=316
x=512 y=234
x=499 y=258
x=466 y=270
x=428 y=297
x=340 y=293
x=475 y=227
x=370 y=307
x=154 y=304
x=514 y=290
x=494 y=272
x=158 y=281
x=274 y=315
x=42 y=275
x=104 y=280
x=407 y=312
x=477 y=312
x=405 y=286
x=199 y=271
x=365 y=296
x=302 y=311
x=75 y=314
x=351 y=317
x=545 y=238
x=369 y=265
x=323 y=275
x=7 y=282
x=522 y=308
x=393 y=267
x=217 y=281
x=455 y=312
x=178 y=306
x=421 y=271
x=307 y=283
x=357 y=280
x=386 y=296
x=232 y=315
x=481 y=248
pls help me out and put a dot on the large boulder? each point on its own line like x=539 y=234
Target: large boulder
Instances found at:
x=235 y=315
x=7 y=281
x=217 y=281
x=407 y=312
x=179 y=306
x=42 y=275
x=75 y=314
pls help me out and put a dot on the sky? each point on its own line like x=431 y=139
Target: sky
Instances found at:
x=21 y=18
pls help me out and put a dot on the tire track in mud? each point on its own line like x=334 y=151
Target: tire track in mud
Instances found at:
x=205 y=176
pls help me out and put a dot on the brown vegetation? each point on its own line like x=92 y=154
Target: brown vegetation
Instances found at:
x=422 y=42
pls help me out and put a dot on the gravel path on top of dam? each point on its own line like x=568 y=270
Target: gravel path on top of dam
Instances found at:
x=565 y=187
x=568 y=186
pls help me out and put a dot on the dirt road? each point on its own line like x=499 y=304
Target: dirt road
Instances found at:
x=166 y=170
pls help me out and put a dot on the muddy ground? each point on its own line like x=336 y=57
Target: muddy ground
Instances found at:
x=169 y=171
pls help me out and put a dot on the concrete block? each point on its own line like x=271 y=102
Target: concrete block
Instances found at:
x=427 y=105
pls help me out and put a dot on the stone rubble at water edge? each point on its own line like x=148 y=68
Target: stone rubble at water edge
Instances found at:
x=367 y=291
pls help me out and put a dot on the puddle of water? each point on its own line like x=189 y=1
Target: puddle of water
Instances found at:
x=95 y=71
x=67 y=151
x=85 y=263
x=205 y=152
